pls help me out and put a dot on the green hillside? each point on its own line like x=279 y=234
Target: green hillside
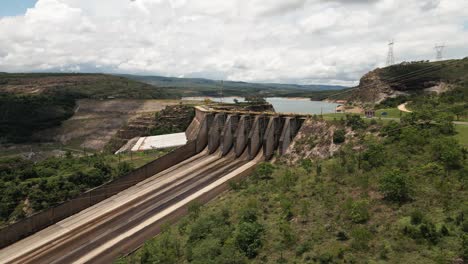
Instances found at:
x=34 y=101
x=394 y=192
x=97 y=86
x=420 y=75
x=411 y=78
x=204 y=87
x=401 y=199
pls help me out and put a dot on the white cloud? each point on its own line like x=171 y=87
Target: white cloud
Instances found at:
x=301 y=41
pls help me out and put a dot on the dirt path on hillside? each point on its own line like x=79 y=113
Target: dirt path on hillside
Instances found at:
x=403 y=108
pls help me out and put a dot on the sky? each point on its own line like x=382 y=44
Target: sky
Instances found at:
x=15 y=7
x=293 y=41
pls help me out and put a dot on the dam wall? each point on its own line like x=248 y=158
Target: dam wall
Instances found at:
x=244 y=132
x=240 y=134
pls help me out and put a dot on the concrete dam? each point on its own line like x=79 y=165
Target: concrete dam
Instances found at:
x=115 y=219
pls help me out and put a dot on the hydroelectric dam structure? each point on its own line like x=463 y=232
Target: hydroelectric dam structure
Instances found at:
x=116 y=218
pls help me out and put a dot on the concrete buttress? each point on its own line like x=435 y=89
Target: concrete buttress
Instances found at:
x=256 y=135
x=272 y=136
x=242 y=134
x=202 y=137
x=214 y=134
x=227 y=135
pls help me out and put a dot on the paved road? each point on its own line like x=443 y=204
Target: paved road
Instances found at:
x=123 y=222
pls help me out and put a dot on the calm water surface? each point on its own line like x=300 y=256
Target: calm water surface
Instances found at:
x=282 y=104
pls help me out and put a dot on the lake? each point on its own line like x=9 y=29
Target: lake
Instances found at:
x=282 y=104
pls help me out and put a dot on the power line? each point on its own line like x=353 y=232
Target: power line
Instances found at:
x=397 y=79
x=222 y=91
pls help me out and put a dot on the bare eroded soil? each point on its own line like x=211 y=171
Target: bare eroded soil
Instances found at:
x=96 y=121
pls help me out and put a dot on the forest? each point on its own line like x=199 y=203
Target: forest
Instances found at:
x=27 y=187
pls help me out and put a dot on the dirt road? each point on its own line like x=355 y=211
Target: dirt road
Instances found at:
x=403 y=108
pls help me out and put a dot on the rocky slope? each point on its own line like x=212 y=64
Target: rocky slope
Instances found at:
x=409 y=78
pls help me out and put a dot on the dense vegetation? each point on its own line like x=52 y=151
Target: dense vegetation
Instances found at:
x=395 y=192
x=27 y=187
x=22 y=115
x=419 y=75
x=453 y=103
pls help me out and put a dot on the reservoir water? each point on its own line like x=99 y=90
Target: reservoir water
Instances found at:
x=282 y=104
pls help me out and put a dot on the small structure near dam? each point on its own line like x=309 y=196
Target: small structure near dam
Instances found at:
x=160 y=142
x=117 y=217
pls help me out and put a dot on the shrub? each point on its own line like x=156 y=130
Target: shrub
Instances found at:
x=307 y=165
x=339 y=136
x=416 y=217
x=248 y=238
x=342 y=236
x=361 y=238
x=396 y=186
x=263 y=171
x=355 y=122
x=358 y=211
x=374 y=155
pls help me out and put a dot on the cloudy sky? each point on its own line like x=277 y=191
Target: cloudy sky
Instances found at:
x=294 y=41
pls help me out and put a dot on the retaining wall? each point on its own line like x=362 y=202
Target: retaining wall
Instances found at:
x=41 y=220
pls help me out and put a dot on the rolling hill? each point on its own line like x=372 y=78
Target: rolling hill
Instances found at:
x=205 y=87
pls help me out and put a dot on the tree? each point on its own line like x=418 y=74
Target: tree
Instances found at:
x=459 y=110
x=358 y=211
x=396 y=186
x=263 y=171
x=248 y=238
x=374 y=155
x=255 y=99
x=339 y=136
x=448 y=152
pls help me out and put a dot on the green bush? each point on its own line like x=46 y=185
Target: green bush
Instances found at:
x=339 y=136
x=360 y=238
x=263 y=171
x=417 y=217
x=374 y=156
x=359 y=212
x=396 y=186
x=248 y=238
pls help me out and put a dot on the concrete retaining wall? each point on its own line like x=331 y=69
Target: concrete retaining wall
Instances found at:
x=41 y=220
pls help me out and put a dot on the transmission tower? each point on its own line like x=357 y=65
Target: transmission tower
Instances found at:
x=439 y=51
x=390 y=56
x=222 y=91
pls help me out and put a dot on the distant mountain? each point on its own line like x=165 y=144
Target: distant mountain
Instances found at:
x=206 y=87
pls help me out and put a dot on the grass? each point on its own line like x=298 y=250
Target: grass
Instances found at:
x=462 y=135
x=390 y=113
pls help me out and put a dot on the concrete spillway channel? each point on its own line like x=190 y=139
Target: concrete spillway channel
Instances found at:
x=233 y=145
